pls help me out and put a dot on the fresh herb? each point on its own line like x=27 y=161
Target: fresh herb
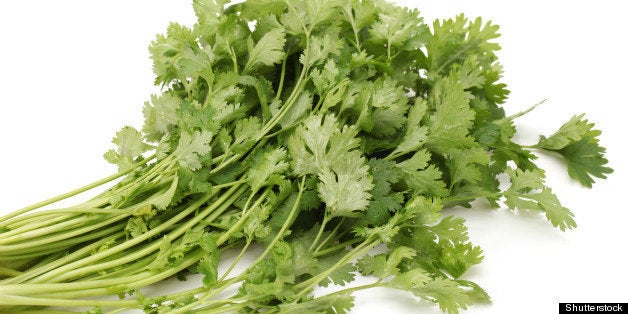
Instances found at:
x=316 y=130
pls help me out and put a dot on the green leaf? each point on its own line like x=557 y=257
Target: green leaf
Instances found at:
x=410 y=280
x=464 y=164
x=528 y=192
x=298 y=111
x=130 y=145
x=397 y=26
x=265 y=164
x=267 y=51
x=578 y=143
x=457 y=259
x=558 y=215
x=319 y=142
x=389 y=105
x=585 y=160
x=384 y=201
x=449 y=295
x=421 y=178
x=321 y=48
x=384 y=265
x=341 y=275
x=191 y=147
x=454 y=40
x=415 y=134
x=159 y=114
x=245 y=133
x=570 y=132
x=345 y=186
x=208 y=266
x=452 y=118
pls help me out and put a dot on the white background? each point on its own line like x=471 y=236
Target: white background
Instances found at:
x=73 y=72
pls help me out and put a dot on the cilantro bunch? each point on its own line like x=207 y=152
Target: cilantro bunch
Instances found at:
x=329 y=134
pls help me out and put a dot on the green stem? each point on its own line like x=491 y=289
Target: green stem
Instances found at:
x=6 y=299
x=320 y=231
x=243 y=219
x=5 y=271
x=237 y=259
x=76 y=255
x=308 y=285
x=53 y=234
x=62 y=244
x=336 y=247
x=4 y=219
x=125 y=245
x=331 y=235
x=225 y=284
x=285 y=226
x=282 y=78
x=223 y=309
x=524 y=112
x=220 y=204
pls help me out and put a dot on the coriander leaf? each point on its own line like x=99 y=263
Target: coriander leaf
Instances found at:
x=452 y=119
x=389 y=105
x=528 y=191
x=208 y=266
x=585 y=160
x=453 y=40
x=256 y=10
x=130 y=145
x=267 y=51
x=463 y=164
x=360 y=14
x=415 y=134
x=320 y=11
x=296 y=112
x=450 y=230
x=208 y=11
x=458 y=258
x=578 y=143
x=321 y=47
x=135 y=227
x=255 y=226
x=416 y=277
x=319 y=142
x=424 y=210
x=384 y=201
x=264 y=165
x=159 y=114
x=191 y=147
x=324 y=79
x=345 y=186
x=245 y=133
x=372 y=265
x=166 y=51
x=341 y=275
x=420 y=177
x=468 y=73
x=163 y=200
x=448 y=293
x=396 y=26
x=558 y=215
x=384 y=265
x=572 y=131
x=195 y=117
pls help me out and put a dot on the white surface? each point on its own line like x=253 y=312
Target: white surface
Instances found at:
x=73 y=72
